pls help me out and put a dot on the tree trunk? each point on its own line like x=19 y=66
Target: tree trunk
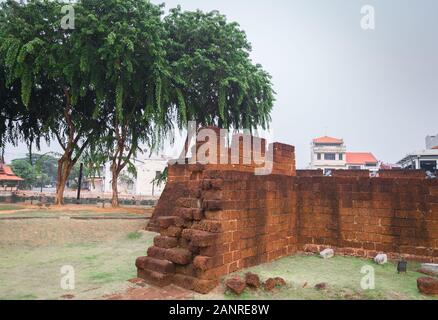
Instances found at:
x=115 y=177
x=64 y=168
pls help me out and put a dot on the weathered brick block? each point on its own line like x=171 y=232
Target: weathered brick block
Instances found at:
x=179 y=256
x=203 y=263
x=155 y=278
x=172 y=231
x=214 y=273
x=165 y=242
x=199 y=238
x=188 y=203
x=209 y=251
x=184 y=281
x=208 y=225
x=205 y=286
x=153 y=264
x=156 y=252
x=212 y=205
x=165 y=222
x=190 y=213
x=187 y=270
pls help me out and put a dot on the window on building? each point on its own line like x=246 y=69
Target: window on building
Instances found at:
x=341 y=156
x=428 y=165
x=329 y=156
x=318 y=156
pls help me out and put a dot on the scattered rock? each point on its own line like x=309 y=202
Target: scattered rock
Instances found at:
x=279 y=281
x=236 y=285
x=67 y=296
x=252 y=280
x=305 y=284
x=428 y=285
x=381 y=258
x=321 y=286
x=327 y=253
x=271 y=283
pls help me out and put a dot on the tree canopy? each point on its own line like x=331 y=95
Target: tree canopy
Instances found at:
x=122 y=79
x=45 y=62
x=216 y=81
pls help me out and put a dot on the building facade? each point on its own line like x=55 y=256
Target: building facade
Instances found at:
x=328 y=153
x=426 y=159
x=128 y=184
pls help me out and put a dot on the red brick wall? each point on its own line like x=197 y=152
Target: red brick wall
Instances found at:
x=310 y=173
x=364 y=216
x=216 y=219
x=419 y=174
x=350 y=173
x=282 y=163
x=228 y=220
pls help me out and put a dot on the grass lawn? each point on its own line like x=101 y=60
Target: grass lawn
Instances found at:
x=102 y=253
x=5 y=207
x=342 y=274
x=100 y=268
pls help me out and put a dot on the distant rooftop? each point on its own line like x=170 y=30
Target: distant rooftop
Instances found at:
x=6 y=174
x=327 y=139
x=360 y=158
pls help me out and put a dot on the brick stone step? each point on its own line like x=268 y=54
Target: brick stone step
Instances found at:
x=193 y=283
x=179 y=256
x=165 y=242
x=154 y=264
x=199 y=238
x=165 y=222
x=156 y=252
x=155 y=278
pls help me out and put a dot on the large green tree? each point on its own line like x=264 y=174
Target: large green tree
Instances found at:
x=38 y=55
x=125 y=43
x=124 y=77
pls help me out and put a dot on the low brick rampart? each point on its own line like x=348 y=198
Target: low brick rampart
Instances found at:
x=215 y=220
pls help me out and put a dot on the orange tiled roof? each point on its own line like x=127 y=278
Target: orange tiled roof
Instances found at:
x=360 y=158
x=435 y=147
x=6 y=174
x=327 y=139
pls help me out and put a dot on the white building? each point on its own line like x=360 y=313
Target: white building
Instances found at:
x=329 y=153
x=423 y=159
x=141 y=185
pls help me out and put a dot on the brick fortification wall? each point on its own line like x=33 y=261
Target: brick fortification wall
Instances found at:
x=214 y=221
x=364 y=216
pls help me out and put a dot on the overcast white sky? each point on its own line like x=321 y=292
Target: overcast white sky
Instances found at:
x=376 y=89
